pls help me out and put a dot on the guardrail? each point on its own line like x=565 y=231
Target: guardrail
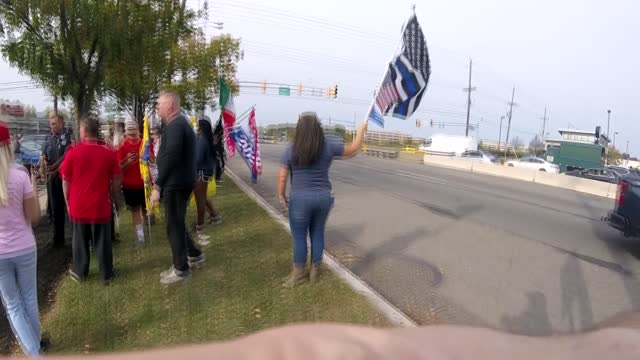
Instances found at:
x=386 y=154
x=556 y=180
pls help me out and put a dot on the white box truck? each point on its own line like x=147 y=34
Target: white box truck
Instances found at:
x=448 y=145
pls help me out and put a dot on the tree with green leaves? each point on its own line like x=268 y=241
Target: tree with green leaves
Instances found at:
x=61 y=44
x=160 y=47
x=126 y=51
x=201 y=67
x=141 y=60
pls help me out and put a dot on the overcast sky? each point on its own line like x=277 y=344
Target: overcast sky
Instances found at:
x=577 y=58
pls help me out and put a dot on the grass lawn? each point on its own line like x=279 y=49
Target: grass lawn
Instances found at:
x=237 y=292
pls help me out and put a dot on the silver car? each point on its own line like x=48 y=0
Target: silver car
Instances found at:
x=480 y=155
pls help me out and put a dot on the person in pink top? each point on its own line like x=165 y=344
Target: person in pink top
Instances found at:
x=19 y=210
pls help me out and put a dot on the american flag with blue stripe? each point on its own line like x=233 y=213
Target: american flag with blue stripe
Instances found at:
x=247 y=146
x=406 y=79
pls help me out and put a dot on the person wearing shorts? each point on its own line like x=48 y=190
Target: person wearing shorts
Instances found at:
x=132 y=183
x=205 y=163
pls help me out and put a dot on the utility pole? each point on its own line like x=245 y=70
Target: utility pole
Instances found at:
x=469 y=90
x=544 y=123
x=500 y=134
x=627 y=151
x=506 y=142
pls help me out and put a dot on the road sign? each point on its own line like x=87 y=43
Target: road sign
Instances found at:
x=284 y=91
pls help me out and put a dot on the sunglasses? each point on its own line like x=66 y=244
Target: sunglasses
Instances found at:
x=308 y=113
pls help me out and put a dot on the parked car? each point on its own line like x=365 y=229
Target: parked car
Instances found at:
x=449 y=145
x=29 y=153
x=625 y=215
x=604 y=175
x=621 y=171
x=534 y=163
x=480 y=155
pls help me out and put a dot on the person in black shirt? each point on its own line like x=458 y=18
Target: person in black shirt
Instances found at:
x=176 y=179
x=53 y=152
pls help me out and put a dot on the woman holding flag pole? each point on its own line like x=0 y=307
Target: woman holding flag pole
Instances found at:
x=306 y=162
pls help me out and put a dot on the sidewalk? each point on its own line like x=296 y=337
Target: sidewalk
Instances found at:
x=236 y=293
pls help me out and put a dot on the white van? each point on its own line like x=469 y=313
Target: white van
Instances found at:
x=450 y=145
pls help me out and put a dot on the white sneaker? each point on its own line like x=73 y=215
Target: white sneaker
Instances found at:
x=197 y=262
x=167 y=272
x=175 y=276
x=203 y=239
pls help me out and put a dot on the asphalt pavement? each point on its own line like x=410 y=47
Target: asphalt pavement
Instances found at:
x=447 y=246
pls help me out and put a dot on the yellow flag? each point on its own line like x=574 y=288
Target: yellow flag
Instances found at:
x=145 y=159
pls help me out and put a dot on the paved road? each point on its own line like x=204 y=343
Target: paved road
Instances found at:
x=454 y=247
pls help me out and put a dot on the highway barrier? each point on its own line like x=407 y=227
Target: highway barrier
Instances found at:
x=416 y=156
x=387 y=154
x=557 y=180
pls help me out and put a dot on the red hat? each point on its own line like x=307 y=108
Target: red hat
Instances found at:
x=5 y=138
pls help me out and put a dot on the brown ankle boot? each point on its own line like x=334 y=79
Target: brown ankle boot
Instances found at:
x=316 y=269
x=297 y=276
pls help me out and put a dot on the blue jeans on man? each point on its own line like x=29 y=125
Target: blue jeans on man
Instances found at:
x=308 y=214
x=18 y=287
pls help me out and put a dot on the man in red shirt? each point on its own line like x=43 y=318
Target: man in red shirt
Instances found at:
x=89 y=171
x=132 y=183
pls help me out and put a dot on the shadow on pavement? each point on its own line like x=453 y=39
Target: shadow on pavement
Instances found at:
x=533 y=321
x=575 y=295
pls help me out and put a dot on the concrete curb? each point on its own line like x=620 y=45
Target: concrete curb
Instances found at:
x=394 y=315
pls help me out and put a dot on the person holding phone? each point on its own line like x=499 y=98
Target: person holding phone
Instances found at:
x=19 y=210
x=132 y=183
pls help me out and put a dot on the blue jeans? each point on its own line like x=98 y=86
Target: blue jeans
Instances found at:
x=18 y=287
x=308 y=214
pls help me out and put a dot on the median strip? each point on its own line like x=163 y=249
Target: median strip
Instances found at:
x=236 y=293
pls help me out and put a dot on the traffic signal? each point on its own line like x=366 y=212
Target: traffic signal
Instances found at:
x=299 y=89
x=431 y=123
x=264 y=87
x=418 y=123
x=328 y=92
x=335 y=91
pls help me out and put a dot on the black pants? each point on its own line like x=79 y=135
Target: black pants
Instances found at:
x=219 y=170
x=58 y=209
x=175 y=210
x=97 y=236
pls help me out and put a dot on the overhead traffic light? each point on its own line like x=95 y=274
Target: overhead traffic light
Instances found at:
x=335 y=91
x=328 y=92
x=264 y=87
x=299 y=89
x=431 y=123
x=418 y=123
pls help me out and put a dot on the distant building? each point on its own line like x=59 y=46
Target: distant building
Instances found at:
x=381 y=137
x=580 y=136
x=14 y=109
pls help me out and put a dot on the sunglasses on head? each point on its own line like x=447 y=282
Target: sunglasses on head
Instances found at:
x=308 y=113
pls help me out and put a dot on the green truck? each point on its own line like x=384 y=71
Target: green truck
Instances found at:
x=573 y=155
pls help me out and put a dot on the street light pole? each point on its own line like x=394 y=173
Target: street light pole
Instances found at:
x=608 y=124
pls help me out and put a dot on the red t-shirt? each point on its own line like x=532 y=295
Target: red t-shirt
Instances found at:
x=89 y=169
x=131 y=177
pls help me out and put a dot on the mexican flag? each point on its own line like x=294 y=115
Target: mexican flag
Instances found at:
x=228 y=112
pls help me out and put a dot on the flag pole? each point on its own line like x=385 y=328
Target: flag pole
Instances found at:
x=245 y=115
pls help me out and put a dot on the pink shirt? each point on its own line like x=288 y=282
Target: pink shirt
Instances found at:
x=16 y=235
